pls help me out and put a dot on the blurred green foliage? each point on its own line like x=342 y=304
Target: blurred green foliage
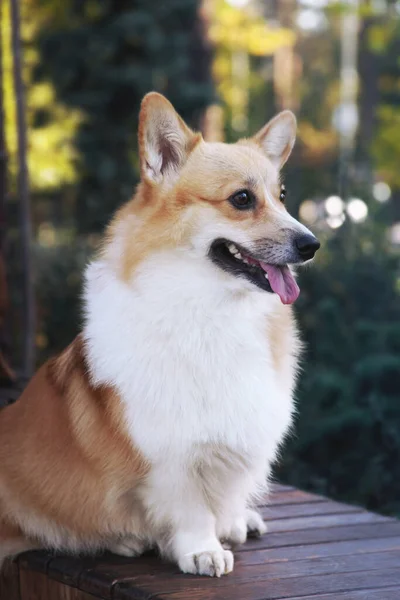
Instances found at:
x=58 y=293
x=346 y=441
x=101 y=58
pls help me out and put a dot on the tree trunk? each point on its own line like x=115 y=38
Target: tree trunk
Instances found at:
x=23 y=196
x=5 y=370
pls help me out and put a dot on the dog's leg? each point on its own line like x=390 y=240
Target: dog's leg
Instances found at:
x=235 y=519
x=236 y=530
x=195 y=545
x=177 y=505
x=255 y=523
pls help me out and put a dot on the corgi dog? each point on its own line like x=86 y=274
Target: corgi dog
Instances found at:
x=157 y=426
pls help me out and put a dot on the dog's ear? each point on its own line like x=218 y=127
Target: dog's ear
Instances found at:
x=277 y=137
x=165 y=140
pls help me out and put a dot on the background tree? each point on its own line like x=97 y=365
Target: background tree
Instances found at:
x=102 y=58
x=5 y=369
x=88 y=65
x=346 y=440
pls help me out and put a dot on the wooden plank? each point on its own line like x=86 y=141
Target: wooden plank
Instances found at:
x=158 y=582
x=59 y=591
x=269 y=589
x=326 y=521
x=327 y=507
x=9 y=581
x=103 y=576
x=37 y=560
x=68 y=569
x=33 y=585
x=98 y=576
x=100 y=580
x=290 y=497
x=84 y=572
x=247 y=574
x=331 y=549
x=37 y=586
x=376 y=594
x=324 y=535
x=136 y=593
x=75 y=571
x=319 y=566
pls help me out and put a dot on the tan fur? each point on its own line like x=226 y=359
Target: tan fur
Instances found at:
x=152 y=220
x=63 y=448
x=280 y=333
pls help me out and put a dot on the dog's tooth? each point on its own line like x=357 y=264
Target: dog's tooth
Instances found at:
x=246 y=261
x=238 y=255
x=265 y=275
x=232 y=248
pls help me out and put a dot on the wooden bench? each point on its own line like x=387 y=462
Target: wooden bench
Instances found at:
x=316 y=549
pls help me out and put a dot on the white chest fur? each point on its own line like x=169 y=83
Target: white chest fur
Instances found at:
x=190 y=358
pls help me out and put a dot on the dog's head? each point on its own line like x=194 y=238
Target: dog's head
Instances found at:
x=228 y=197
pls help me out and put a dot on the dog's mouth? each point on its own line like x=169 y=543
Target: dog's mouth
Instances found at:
x=273 y=278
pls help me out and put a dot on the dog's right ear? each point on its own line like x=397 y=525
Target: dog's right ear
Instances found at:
x=277 y=137
x=165 y=140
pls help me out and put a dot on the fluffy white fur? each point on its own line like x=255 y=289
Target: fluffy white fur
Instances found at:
x=187 y=350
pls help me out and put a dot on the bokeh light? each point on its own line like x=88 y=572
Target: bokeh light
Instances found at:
x=345 y=116
x=381 y=191
x=315 y=3
x=46 y=234
x=334 y=206
x=311 y=20
x=308 y=211
x=238 y=3
x=336 y=222
x=357 y=210
x=394 y=234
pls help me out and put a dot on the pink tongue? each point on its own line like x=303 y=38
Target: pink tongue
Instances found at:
x=282 y=282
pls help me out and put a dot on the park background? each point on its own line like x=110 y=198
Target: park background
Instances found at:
x=227 y=66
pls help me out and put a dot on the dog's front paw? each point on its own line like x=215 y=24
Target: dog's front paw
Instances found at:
x=255 y=524
x=213 y=564
x=235 y=531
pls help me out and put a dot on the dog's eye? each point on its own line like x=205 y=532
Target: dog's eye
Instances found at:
x=282 y=195
x=242 y=200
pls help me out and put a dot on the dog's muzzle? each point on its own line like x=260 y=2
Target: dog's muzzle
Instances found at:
x=306 y=246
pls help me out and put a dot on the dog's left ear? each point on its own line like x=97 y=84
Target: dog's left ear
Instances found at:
x=277 y=137
x=165 y=140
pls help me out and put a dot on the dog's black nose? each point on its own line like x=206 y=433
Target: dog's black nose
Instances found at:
x=307 y=245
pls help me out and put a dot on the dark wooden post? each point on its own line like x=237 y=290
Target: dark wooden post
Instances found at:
x=23 y=196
